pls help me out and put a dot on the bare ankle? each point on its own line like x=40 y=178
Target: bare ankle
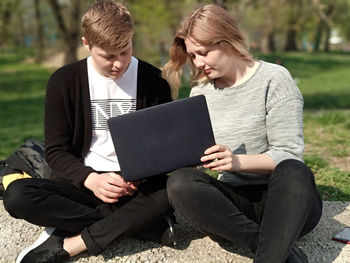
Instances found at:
x=74 y=245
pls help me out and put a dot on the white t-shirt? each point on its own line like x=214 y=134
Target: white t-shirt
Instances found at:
x=109 y=98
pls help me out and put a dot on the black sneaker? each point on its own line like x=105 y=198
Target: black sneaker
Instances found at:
x=161 y=233
x=296 y=255
x=168 y=237
x=47 y=248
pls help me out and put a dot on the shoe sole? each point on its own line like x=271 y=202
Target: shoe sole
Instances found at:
x=171 y=230
x=41 y=239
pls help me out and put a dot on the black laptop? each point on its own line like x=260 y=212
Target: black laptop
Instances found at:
x=162 y=138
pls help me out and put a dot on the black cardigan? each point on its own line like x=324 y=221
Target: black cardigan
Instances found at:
x=68 y=121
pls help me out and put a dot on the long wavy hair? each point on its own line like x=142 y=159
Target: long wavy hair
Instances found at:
x=207 y=25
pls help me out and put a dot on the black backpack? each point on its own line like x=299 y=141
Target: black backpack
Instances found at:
x=29 y=158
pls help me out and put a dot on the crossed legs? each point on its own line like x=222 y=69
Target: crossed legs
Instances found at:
x=266 y=218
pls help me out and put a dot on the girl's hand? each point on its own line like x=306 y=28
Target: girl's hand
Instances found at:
x=220 y=158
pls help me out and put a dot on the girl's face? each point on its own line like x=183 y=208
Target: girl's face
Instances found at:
x=213 y=60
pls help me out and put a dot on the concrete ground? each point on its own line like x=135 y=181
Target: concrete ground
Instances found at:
x=192 y=246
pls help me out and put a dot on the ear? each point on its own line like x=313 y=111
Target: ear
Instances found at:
x=86 y=44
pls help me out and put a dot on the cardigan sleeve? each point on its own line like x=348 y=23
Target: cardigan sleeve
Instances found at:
x=63 y=150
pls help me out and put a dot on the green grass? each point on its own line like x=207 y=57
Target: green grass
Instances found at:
x=22 y=91
x=324 y=80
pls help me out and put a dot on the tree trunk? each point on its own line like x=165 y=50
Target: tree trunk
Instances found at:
x=69 y=34
x=40 y=49
x=73 y=32
x=271 y=42
x=20 y=36
x=293 y=25
x=323 y=24
x=326 y=41
x=318 y=36
x=268 y=43
x=329 y=12
x=6 y=17
x=291 y=43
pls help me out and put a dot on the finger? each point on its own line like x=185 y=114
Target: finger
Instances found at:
x=130 y=193
x=215 y=163
x=226 y=160
x=108 y=197
x=118 y=181
x=221 y=168
x=215 y=156
x=111 y=188
x=216 y=148
x=212 y=149
x=108 y=200
x=134 y=185
x=115 y=175
x=111 y=194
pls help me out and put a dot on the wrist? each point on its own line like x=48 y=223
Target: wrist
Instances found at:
x=89 y=179
x=236 y=163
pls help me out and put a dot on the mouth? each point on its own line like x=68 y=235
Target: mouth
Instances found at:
x=207 y=71
x=116 y=71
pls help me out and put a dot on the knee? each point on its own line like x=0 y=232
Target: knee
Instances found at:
x=293 y=173
x=180 y=183
x=15 y=200
x=176 y=181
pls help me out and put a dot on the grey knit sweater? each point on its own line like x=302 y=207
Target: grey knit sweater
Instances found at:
x=262 y=115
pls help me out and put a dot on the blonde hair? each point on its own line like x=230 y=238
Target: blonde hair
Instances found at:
x=107 y=24
x=207 y=25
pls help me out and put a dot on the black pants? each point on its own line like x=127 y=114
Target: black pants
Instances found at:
x=59 y=204
x=267 y=218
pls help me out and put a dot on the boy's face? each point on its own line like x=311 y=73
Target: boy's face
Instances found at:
x=110 y=62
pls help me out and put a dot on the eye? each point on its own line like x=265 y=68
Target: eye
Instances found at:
x=204 y=53
x=192 y=56
x=108 y=56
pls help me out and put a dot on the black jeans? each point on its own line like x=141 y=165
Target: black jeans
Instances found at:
x=59 y=204
x=267 y=218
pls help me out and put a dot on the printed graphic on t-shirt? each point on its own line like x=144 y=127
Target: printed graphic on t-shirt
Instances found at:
x=102 y=110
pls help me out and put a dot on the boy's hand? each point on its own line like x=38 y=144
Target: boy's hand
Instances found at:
x=109 y=187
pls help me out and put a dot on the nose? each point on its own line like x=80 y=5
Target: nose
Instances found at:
x=198 y=62
x=117 y=63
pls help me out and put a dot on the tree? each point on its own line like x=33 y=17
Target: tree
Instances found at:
x=156 y=22
x=7 y=8
x=293 y=24
x=68 y=28
x=324 y=23
x=39 y=53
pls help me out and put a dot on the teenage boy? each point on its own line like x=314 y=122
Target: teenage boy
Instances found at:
x=86 y=204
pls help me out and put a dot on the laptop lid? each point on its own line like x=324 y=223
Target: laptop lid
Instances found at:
x=162 y=138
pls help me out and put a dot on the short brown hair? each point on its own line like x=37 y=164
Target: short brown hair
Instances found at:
x=107 y=24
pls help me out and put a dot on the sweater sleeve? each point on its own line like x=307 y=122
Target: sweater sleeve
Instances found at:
x=62 y=155
x=284 y=120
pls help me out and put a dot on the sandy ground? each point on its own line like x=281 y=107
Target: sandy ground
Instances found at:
x=192 y=246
